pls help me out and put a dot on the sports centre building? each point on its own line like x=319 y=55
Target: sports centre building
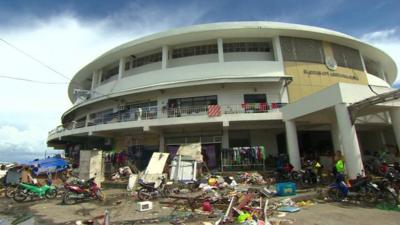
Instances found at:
x=247 y=91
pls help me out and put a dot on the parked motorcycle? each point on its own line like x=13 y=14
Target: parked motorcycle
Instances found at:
x=149 y=191
x=379 y=167
x=361 y=188
x=80 y=190
x=10 y=190
x=310 y=175
x=25 y=190
x=286 y=173
x=388 y=192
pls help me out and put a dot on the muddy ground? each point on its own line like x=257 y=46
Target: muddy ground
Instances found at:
x=122 y=210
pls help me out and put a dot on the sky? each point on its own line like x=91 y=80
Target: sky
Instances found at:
x=67 y=35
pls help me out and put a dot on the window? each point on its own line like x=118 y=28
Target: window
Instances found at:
x=141 y=61
x=127 y=65
x=148 y=108
x=101 y=117
x=255 y=98
x=193 y=101
x=347 y=57
x=302 y=50
x=371 y=66
x=247 y=47
x=194 y=50
x=110 y=73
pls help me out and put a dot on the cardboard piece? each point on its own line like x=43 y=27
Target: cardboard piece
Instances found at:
x=193 y=150
x=157 y=163
x=155 y=168
x=132 y=182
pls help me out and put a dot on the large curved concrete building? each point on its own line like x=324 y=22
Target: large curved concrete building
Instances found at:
x=286 y=87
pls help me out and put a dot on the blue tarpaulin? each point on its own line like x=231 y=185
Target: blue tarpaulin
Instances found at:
x=48 y=165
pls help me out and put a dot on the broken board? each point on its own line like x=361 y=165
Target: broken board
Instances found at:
x=157 y=163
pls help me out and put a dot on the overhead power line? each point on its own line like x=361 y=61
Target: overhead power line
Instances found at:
x=29 y=80
x=35 y=59
x=48 y=67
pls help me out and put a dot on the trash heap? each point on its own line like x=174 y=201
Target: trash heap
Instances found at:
x=241 y=199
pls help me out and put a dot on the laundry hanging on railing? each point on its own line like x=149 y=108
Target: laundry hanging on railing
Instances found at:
x=247 y=157
x=255 y=153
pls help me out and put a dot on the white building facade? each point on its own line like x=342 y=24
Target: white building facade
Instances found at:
x=273 y=88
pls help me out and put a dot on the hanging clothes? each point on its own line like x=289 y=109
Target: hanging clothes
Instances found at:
x=263 y=152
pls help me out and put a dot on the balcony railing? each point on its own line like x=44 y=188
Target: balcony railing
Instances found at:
x=152 y=113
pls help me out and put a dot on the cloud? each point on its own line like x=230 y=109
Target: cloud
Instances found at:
x=22 y=144
x=389 y=41
x=65 y=42
x=382 y=35
x=323 y=9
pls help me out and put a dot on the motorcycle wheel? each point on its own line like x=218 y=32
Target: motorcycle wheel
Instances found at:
x=371 y=196
x=10 y=190
x=144 y=194
x=336 y=195
x=19 y=196
x=166 y=192
x=68 y=198
x=390 y=199
x=100 y=195
x=51 y=194
x=305 y=182
x=295 y=176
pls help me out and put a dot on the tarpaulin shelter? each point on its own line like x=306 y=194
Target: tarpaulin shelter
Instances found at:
x=48 y=165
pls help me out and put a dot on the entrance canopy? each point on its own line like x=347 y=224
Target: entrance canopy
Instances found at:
x=337 y=94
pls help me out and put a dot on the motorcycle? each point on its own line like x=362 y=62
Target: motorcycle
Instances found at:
x=310 y=175
x=10 y=190
x=25 y=190
x=149 y=191
x=388 y=186
x=80 y=190
x=286 y=173
x=378 y=167
x=361 y=188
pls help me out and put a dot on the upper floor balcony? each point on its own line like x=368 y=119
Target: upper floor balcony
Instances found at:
x=142 y=115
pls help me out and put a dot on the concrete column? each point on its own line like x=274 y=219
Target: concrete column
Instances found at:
x=220 y=50
x=164 y=57
x=162 y=143
x=336 y=138
x=87 y=120
x=363 y=62
x=383 y=139
x=276 y=44
x=99 y=76
x=395 y=117
x=121 y=69
x=225 y=137
x=349 y=141
x=94 y=80
x=292 y=144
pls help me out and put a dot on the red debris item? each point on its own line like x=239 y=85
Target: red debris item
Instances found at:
x=207 y=207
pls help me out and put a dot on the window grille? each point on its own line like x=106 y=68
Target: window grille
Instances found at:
x=302 y=50
x=141 y=61
x=347 y=57
x=194 y=50
x=247 y=47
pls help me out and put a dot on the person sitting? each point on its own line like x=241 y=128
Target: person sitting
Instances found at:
x=339 y=168
x=28 y=176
